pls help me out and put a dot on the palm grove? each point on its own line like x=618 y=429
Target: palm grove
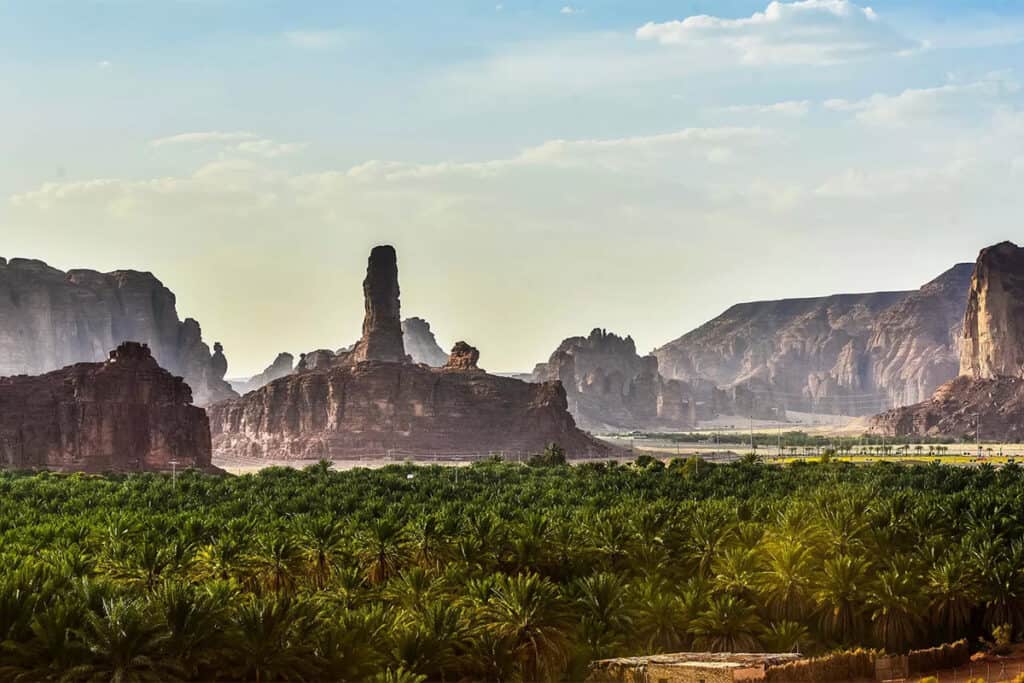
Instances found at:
x=495 y=571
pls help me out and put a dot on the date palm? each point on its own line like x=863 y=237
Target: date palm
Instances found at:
x=270 y=639
x=840 y=597
x=896 y=603
x=954 y=592
x=527 y=612
x=729 y=624
x=383 y=549
x=125 y=645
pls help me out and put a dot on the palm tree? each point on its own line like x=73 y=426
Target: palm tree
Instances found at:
x=270 y=638
x=52 y=650
x=786 y=636
x=607 y=618
x=729 y=624
x=953 y=594
x=125 y=645
x=527 y=612
x=840 y=597
x=663 y=616
x=194 y=622
x=786 y=585
x=383 y=549
x=279 y=561
x=895 y=604
x=322 y=539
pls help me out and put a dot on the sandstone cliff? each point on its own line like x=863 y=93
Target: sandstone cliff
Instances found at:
x=282 y=366
x=987 y=400
x=125 y=414
x=50 y=319
x=993 y=344
x=373 y=400
x=854 y=354
x=610 y=387
x=420 y=343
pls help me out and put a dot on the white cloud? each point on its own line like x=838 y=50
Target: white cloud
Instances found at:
x=231 y=141
x=204 y=138
x=803 y=32
x=315 y=40
x=105 y=64
x=569 y=9
x=795 y=108
x=913 y=105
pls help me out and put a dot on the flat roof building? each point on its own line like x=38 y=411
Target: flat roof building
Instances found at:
x=688 y=667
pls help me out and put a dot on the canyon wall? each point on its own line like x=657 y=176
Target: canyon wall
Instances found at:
x=50 y=319
x=851 y=354
x=125 y=414
x=421 y=344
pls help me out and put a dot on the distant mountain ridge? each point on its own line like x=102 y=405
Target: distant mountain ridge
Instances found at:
x=50 y=319
x=854 y=354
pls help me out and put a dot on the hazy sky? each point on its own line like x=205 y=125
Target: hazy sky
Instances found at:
x=542 y=168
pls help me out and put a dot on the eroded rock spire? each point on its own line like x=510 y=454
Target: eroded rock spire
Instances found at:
x=382 y=324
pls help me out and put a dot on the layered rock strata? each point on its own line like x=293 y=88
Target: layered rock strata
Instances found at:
x=851 y=354
x=126 y=414
x=421 y=344
x=374 y=401
x=50 y=319
x=281 y=367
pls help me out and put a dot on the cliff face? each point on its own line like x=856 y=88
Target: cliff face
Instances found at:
x=373 y=400
x=993 y=344
x=281 y=367
x=50 y=319
x=420 y=343
x=610 y=386
x=849 y=353
x=126 y=414
x=987 y=400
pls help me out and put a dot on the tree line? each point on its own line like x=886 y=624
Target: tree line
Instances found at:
x=495 y=571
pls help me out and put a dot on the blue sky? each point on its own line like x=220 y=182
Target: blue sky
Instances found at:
x=542 y=167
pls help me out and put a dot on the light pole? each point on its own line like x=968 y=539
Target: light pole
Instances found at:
x=174 y=474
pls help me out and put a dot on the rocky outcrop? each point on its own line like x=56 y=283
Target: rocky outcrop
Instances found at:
x=50 y=319
x=281 y=367
x=374 y=401
x=463 y=357
x=126 y=414
x=987 y=400
x=610 y=386
x=993 y=344
x=852 y=354
x=991 y=409
x=420 y=343
x=382 y=324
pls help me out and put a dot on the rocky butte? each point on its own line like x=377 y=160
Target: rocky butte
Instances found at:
x=373 y=400
x=987 y=399
x=126 y=414
x=853 y=354
x=50 y=319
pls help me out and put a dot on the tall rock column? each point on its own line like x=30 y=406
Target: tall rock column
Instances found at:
x=382 y=325
x=993 y=342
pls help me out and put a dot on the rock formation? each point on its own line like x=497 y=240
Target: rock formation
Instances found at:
x=281 y=367
x=993 y=343
x=420 y=343
x=463 y=357
x=382 y=324
x=853 y=354
x=610 y=387
x=125 y=414
x=50 y=319
x=987 y=400
x=374 y=401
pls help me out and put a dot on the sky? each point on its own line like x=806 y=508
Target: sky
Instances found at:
x=542 y=168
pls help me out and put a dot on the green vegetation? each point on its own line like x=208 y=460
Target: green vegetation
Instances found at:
x=496 y=571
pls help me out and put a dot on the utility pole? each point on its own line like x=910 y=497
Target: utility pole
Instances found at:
x=977 y=432
x=174 y=474
x=751 y=433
